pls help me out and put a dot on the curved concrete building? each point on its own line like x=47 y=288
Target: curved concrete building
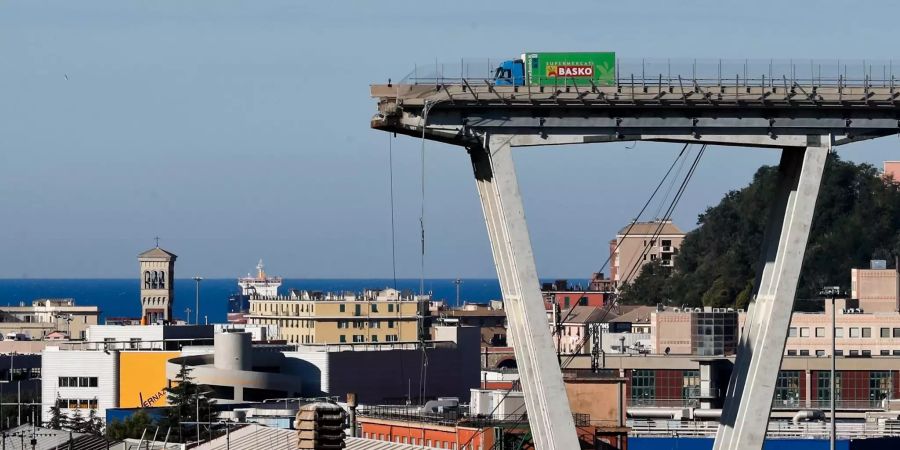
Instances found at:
x=238 y=373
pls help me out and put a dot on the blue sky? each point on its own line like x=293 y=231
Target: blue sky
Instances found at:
x=239 y=130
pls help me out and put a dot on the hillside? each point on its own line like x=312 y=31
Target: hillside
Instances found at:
x=857 y=219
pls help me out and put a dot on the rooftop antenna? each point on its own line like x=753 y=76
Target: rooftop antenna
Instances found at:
x=157 y=241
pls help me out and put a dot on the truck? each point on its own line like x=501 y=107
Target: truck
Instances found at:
x=558 y=69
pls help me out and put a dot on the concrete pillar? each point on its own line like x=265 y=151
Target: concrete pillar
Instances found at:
x=748 y=401
x=549 y=415
x=232 y=351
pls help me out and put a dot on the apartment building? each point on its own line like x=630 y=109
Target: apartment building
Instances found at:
x=306 y=317
x=641 y=243
x=47 y=315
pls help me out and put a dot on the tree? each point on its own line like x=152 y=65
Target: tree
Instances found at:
x=58 y=420
x=130 y=428
x=186 y=399
x=93 y=424
x=857 y=218
x=76 y=421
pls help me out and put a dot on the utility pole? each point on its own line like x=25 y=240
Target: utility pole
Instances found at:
x=188 y=312
x=833 y=292
x=197 y=279
x=457 y=282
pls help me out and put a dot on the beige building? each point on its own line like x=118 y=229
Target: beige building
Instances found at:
x=876 y=289
x=640 y=243
x=306 y=317
x=157 y=285
x=695 y=331
x=47 y=315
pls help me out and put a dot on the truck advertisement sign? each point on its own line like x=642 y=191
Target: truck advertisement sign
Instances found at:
x=567 y=69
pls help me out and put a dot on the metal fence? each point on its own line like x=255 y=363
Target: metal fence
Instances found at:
x=451 y=417
x=648 y=72
x=776 y=429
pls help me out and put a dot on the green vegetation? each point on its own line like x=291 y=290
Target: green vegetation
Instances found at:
x=857 y=219
x=131 y=428
x=186 y=400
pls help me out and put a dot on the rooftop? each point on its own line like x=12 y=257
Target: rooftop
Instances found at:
x=157 y=252
x=587 y=314
x=653 y=228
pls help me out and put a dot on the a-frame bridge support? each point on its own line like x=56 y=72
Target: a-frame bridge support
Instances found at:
x=550 y=418
x=748 y=401
x=749 y=397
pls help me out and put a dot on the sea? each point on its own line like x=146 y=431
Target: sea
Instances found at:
x=121 y=297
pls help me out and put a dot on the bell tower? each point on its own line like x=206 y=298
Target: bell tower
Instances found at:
x=157 y=285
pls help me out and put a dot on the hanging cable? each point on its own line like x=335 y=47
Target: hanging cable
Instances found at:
x=635 y=220
x=393 y=226
x=675 y=200
x=422 y=204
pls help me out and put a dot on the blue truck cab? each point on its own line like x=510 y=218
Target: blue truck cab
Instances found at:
x=510 y=73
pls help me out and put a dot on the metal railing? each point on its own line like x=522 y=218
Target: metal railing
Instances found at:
x=776 y=429
x=663 y=403
x=652 y=72
x=451 y=417
x=858 y=405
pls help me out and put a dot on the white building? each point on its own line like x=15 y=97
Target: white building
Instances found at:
x=83 y=379
x=147 y=337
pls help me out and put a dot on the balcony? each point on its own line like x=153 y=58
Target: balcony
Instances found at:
x=667 y=249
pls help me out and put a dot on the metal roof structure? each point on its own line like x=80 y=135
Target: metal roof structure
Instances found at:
x=255 y=436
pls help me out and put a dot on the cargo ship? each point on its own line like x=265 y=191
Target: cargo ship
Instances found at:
x=262 y=285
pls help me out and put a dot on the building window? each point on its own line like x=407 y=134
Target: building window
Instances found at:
x=390 y=324
x=838 y=352
x=391 y=338
x=792 y=352
x=838 y=332
x=690 y=387
x=374 y=338
x=804 y=352
x=866 y=332
x=867 y=352
x=787 y=388
x=854 y=352
x=823 y=386
x=643 y=386
x=792 y=332
x=880 y=386
x=374 y=307
x=885 y=353
x=357 y=310
x=342 y=308
x=820 y=352
x=854 y=332
x=820 y=331
x=804 y=332
x=343 y=338
x=885 y=332
x=897 y=332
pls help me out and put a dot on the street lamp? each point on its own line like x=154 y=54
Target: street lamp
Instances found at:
x=457 y=282
x=198 y=279
x=833 y=292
